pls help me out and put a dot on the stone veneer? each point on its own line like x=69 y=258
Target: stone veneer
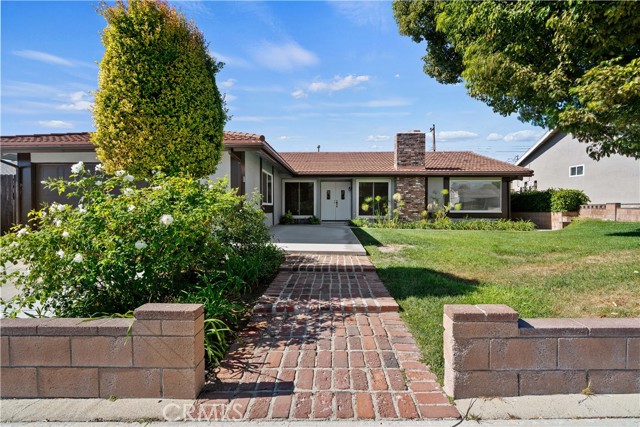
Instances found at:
x=490 y=352
x=412 y=189
x=159 y=354
x=409 y=149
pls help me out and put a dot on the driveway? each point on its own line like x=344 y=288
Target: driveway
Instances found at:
x=318 y=239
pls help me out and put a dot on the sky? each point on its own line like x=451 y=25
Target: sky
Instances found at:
x=302 y=73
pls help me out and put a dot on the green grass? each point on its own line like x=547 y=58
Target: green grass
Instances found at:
x=589 y=269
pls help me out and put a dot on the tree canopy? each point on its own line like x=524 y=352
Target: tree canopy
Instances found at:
x=157 y=104
x=570 y=65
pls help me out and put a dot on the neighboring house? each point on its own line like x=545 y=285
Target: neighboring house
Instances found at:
x=330 y=185
x=561 y=161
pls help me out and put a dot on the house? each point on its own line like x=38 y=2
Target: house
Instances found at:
x=330 y=185
x=561 y=161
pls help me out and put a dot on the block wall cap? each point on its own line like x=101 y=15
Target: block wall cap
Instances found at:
x=480 y=313
x=551 y=328
x=169 y=311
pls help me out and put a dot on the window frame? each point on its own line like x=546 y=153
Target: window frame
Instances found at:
x=499 y=179
x=373 y=180
x=284 y=195
x=270 y=186
x=571 y=175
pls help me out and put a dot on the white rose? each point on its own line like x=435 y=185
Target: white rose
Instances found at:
x=77 y=168
x=140 y=244
x=60 y=253
x=128 y=178
x=166 y=219
x=78 y=258
x=58 y=222
x=22 y=232
x=128 y=191
x=65 y=234
x=131 y=208
x=120 y=172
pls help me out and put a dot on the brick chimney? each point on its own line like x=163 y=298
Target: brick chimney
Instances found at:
x=409 y=149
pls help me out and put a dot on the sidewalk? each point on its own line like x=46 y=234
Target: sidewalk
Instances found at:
x=326 y=342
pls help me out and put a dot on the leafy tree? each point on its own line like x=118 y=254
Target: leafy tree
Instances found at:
x=572 y=65
x=157 y=104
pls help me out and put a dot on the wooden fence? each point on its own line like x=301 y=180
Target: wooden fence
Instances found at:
x=7 y=202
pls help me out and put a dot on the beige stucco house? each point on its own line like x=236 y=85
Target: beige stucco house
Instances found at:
x=561 y=161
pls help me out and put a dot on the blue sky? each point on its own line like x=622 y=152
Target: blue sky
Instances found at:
x=302 y=73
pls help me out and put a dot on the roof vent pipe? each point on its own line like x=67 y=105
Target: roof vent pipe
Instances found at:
x=433 y=137
x=318 y=148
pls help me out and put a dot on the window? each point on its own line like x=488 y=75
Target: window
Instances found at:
x=475 y=195
x=267 y=188
x=576 y=170
x=299 y=198
x=374 y=196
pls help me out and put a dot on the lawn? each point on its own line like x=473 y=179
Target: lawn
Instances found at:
x=589 y=269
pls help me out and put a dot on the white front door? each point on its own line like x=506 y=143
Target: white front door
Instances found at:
x=336 y=200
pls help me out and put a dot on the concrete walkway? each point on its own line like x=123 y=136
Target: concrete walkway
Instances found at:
x=317 y=239
x=326 y=342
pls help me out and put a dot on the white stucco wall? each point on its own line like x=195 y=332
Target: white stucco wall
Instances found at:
x=70 y=157
x=614 y=179
x=224 y=167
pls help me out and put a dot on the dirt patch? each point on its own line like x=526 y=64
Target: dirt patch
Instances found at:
x=391 y=249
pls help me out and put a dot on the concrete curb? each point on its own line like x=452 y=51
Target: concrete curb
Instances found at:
x=593 y=411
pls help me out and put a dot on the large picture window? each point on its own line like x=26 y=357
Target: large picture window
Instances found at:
x=475 y=195
x=267 y=188
x=374 y=196
x=299 y=198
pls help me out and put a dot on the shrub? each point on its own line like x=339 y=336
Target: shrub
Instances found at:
x=551 y=200
x=314 y=220
x=568 y=200
x=531 y=201
x=287 y=218
x=446 y=223
x=157 y=102
x=151 y=243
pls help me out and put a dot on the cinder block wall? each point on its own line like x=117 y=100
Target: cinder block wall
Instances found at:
x=159 y=354
x=610 y=212
x=490 y=352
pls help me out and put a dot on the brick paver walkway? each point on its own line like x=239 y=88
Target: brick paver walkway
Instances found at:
x=325 y=342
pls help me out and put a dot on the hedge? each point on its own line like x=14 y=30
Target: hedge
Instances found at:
x=552 y=200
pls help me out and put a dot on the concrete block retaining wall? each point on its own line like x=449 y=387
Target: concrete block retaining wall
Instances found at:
x=159 y=354
x=610 y=212
x=490 y=352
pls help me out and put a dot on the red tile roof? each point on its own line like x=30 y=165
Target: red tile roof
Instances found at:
x=363 y=163
x=82 y=139
x=307 y=163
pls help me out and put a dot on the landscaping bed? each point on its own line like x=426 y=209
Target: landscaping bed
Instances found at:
x=589 y=269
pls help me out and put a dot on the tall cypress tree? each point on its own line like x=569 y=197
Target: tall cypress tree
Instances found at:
x=157 y=104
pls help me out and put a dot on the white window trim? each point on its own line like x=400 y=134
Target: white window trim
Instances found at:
x=315 y=191
x=263 y=202
x=389 y=195
x=576 y=166
x=488 y=178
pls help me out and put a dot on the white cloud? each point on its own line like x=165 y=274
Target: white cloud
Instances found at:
x=79 y=101
x=229 y=97
x=43 y=57
x=374 y=13
x=523 y=135
x=284 y=57
x=227 y=84
x=55 y=124
x=299 y=93
x=378 y=138
x=261 y=119
x=493 y=136
x=397 y=76
x=450 y=135
x=338 y=83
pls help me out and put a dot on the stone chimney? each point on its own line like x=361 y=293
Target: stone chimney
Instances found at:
x=409 y=149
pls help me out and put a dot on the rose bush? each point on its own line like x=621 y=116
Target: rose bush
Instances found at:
x=130 y=242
